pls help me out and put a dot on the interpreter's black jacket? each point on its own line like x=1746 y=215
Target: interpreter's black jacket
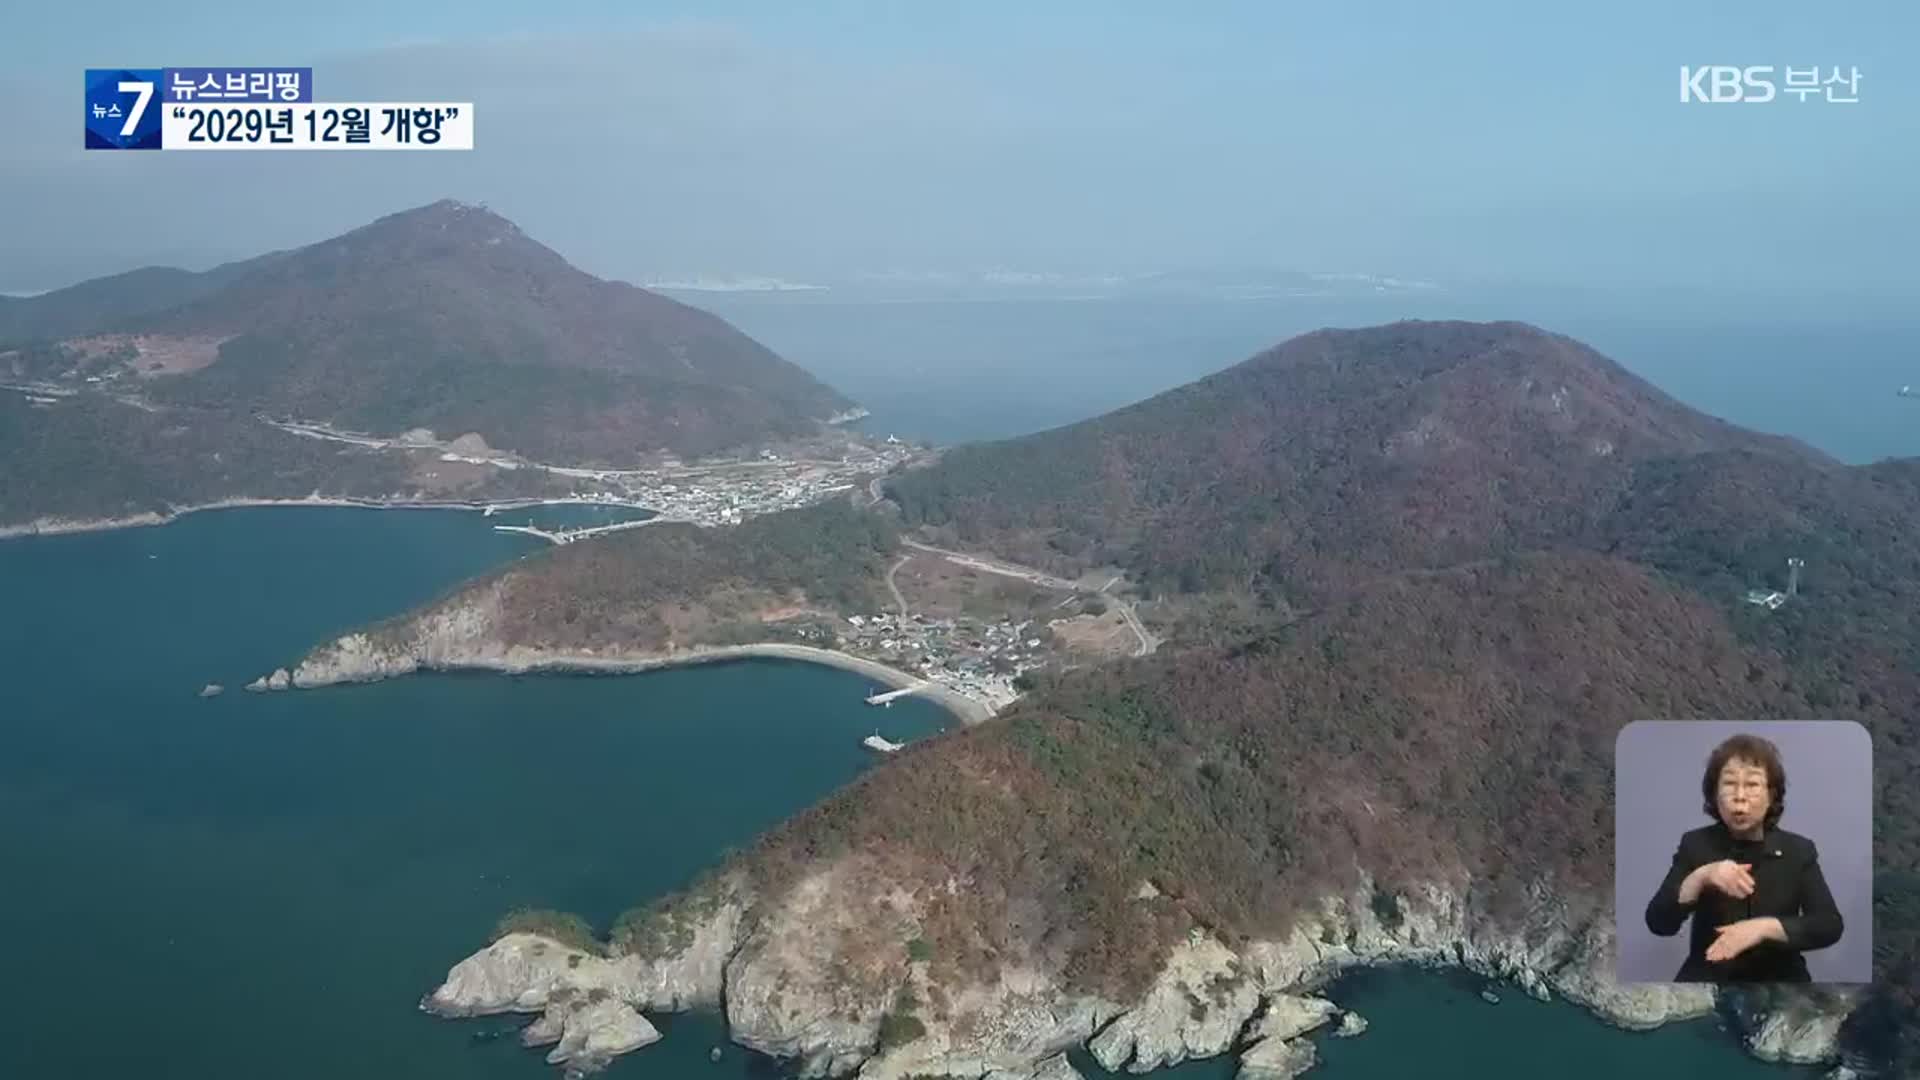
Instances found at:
x=1787 y=884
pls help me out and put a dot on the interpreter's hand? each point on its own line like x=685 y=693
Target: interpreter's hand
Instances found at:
x=1736 y=938
x=1732 y=878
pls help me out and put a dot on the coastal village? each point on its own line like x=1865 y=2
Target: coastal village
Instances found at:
x=727 y=493
x=717 y=491
x=973 y=628
x=971 y=657
x=978 y=658
x=971 y=638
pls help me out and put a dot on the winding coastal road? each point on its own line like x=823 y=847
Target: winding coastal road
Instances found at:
x=1148 y=642
x=899 y=601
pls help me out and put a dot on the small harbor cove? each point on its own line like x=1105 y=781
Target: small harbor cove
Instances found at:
x=265 y=884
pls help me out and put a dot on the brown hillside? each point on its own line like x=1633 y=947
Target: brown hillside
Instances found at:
x=1415 y=444
x=449 y=317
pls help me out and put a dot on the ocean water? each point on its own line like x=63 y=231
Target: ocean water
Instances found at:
x=264 y=885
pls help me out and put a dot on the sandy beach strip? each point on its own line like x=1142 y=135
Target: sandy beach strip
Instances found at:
x=970 y=710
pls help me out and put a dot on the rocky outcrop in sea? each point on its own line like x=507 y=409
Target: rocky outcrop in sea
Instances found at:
x=1791 y=1025
x=1275 y=1049
x=780 y=968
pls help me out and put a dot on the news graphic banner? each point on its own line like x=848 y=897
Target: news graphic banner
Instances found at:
x=256 y=108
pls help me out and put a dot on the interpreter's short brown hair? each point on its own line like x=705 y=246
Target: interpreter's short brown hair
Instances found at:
x=1756 y=751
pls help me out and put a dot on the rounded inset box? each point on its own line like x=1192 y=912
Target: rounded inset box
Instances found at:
x=1743 y=852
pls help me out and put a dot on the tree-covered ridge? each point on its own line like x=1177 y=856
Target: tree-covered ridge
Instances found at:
x=1424 y=727
x=1484 y=547
x=450 y=317
x=1415 y=444
x=1246 y=782
x=104 y=302
x=446 y=317
x=398 y=376
x=1715 y=509
x=1477 y=599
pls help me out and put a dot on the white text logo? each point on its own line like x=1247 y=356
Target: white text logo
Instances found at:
x=1724 y=84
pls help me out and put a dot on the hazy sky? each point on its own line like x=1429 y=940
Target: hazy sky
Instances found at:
x=1528 y=141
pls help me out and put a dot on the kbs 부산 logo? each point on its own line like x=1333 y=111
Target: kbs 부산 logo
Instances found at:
x=1723 y=84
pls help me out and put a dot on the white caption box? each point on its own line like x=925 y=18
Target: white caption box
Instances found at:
x=260 y=125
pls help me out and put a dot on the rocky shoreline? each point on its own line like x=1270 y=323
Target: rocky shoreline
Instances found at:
x=777 y=965
x=456 y=640
x=51 y=526
x=775 y=975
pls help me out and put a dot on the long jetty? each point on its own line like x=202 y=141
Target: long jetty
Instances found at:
x=568 y=536
x=888 y=696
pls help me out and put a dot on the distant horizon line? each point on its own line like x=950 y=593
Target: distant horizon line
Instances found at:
x=1020 y=286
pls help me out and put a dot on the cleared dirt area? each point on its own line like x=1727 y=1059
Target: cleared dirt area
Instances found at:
x=789 y=612
x=938 y=588
x=151 y=356
x=446 y=477
x=1096 y=637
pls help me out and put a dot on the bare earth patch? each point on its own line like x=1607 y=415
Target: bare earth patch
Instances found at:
x=439 y=477
x=1095 y=636
x=154 y=355
x=938 y=588
x=787 y=612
